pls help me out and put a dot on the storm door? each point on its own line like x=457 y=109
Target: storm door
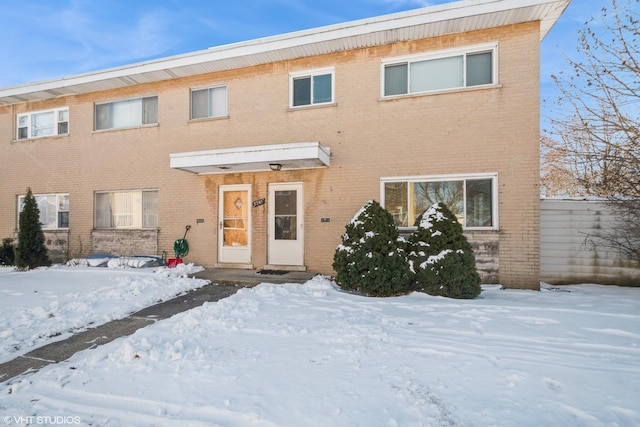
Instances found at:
x=234 y=226
x=286 y=224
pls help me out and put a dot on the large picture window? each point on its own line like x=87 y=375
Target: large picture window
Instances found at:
x=54 y=210
x=38 y=124
x=471 y=198
x=209 y=102
x=312 y=87
x=439 y=71
x=126 y=113
x=126 y=209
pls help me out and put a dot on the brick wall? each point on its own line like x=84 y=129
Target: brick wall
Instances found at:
x=491 y=130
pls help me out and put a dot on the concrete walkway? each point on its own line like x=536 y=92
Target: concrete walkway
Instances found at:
x=223 y=283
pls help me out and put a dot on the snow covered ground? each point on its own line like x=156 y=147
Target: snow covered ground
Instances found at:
x=45 y=305
x=311 y=355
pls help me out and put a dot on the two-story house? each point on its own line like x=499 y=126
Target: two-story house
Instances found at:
x=268 y=147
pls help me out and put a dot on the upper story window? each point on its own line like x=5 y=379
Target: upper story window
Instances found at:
x=440 y=71
x=126 y=113
x=37 y=124
x=472 y=198
x=54 y=210
x=209 y=102
x=126 y=209
x=311 y=87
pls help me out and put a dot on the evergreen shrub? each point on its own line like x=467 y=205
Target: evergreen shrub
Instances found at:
x=371 y=259
x=31 y=251
x=441 y=259
x=7 y=252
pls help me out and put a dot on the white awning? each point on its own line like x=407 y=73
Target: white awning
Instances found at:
x=298 y=155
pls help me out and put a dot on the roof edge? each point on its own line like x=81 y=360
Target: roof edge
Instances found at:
x=291 y=40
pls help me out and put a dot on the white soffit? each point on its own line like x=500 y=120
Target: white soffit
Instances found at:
x=298 y=155
x=449 y=18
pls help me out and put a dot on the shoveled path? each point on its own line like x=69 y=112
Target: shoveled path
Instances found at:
x=226 y=282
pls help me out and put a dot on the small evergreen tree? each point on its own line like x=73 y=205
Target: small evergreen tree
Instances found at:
x=440 y=257
x=31 y=251
x=7 y=252
x=371 y=260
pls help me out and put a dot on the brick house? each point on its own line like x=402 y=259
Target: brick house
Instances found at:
x=268 y=147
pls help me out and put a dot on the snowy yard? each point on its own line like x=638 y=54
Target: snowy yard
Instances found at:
x=311 y=355
x=45 y=305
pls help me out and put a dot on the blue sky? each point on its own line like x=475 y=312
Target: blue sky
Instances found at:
x=45 y=39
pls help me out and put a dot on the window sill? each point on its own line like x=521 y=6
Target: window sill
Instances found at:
x=312 y=106
x=153 y=125
x=40 y=138
x=439 y=92
x=475 y=229
x=208 y=119
x=124 y=230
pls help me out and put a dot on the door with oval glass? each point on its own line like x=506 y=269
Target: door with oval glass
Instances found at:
x=234 y=227
x=286 y=224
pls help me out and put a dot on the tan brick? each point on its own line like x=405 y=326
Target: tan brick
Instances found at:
x=491 y=130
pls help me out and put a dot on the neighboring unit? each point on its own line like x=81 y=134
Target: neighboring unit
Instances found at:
x=267 y=148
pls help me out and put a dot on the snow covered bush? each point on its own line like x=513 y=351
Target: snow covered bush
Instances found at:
x=371 y=260
x=440 y=257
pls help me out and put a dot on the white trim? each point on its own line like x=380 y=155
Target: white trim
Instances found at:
x=132 y=98
x=441 y=177
x=433 y=21
x=21 y=197
x=30 y=114
x=438 y=54
x=285 y=253
x=311 y=74
x=453 y=177
x=239 y=255
x=443 y=53
x=208 y=88
x=297 y=155
x=116 y=101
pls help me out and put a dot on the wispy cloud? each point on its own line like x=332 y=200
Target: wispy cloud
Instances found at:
x=78 y=36
x=49 y=39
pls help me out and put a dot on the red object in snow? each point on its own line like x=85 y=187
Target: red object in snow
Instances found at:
x=173 y=262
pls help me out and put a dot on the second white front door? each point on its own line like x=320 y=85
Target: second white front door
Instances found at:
x=234 y=228
x=286 y=224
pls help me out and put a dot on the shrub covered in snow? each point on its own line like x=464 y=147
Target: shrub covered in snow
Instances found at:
x=440 y=257
x=371 y=260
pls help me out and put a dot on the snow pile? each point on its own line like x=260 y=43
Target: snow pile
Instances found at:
x=48 y=304
x=311 y=355
x=432 y=213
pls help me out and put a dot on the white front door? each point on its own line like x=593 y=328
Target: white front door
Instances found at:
x=286 y=226
x=234 y=227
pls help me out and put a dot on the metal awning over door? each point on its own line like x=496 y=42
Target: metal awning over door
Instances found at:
x=298 y=155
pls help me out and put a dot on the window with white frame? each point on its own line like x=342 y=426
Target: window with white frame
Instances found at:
x=126 y=113
x=440 y=71
x=472 y=198
x=126 y=209
x=54 y=210
x=38 y=124
x=209 y=102
x=312 y=87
